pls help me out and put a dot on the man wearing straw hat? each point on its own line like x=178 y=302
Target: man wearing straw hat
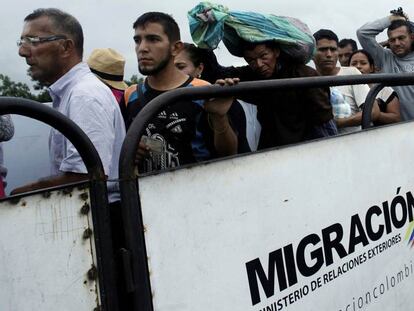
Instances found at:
x=108 y=66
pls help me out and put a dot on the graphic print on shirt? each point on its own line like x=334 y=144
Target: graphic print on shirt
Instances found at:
x=179 y=132
x=175 y=130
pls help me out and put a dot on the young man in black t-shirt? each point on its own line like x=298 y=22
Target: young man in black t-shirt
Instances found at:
x=179 y=130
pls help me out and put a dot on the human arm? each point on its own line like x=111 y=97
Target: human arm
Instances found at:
x=51 y=181
x=96 y=118
x=6 y=128
x=316 y=100
x=392 y=113
x=367 y=38
x=225 y=139
x=356 y=119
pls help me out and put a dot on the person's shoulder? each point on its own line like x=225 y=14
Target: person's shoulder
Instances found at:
x=199 y=82
x=92 y=90
x=130 y=93
x=302 y=70
x=89 y=84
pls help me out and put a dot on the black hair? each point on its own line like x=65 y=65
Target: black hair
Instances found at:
x=400 y=23
x=168 y=23
x=344 y=42
x=195 y=54
x=64 y=23
x=325 y=34
x=366 y=53
x=206 y=57
x=249 y=46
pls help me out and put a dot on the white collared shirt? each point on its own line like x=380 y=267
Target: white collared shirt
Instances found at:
x=88 y=102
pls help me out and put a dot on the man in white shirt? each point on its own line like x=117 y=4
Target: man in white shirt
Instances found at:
x=52 y=44
x=325 y=60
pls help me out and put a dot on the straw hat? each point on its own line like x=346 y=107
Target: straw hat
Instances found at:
x=108 y=65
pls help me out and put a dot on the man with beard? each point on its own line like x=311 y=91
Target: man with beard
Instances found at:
x=188 y=130
x=52 y=44
x=325 y=60
x=399 y=58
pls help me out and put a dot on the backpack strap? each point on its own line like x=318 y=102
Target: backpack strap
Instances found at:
x=127 y=94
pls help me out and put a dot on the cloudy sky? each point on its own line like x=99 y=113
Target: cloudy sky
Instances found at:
x=108 y=23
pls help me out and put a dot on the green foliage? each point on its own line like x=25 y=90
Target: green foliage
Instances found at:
x=18 y=89
x=11 y=88
x=134 y=80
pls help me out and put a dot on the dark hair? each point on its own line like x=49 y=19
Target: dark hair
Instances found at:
x=366 y=53
x=168 y=23
x=206 y=57
x=400 y=23
x=344 y=42
x=63 y=23
x=249 y=46
x=325 y=34
x=195 y=54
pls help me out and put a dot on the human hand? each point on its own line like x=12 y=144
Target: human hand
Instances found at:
x=398 y=14
x=221 y=105
x=142 y=152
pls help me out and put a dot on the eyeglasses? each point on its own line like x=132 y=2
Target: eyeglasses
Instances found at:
x=33 y=41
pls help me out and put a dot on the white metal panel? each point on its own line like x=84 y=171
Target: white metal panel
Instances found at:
x=202 y=225
x=44 y=259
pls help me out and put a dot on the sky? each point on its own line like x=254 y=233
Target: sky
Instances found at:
x=108 y=23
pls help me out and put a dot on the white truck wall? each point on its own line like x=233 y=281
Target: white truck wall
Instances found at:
x=205 y=225
x=44 y=257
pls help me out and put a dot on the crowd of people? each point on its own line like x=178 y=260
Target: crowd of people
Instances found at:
x=94 y=95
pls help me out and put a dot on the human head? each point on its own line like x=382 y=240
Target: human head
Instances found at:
x=190 y=60
x=108 y=65
x=326 y=55
x=345 y=49
x=400 y=37
x=61 y=48
x=62 y=23
x=262 y=57
x=157 y=41
x=363 y=61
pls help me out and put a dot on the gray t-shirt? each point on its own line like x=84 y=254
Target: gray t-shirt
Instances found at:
x=389 y=62
x=84 y=99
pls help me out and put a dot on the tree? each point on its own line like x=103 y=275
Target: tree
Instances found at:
x=134 y=80
x=11 y=88
x=18 y=89
x=43 y=95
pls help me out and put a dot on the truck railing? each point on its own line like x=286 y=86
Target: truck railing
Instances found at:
x=139 y=286
x=97 y=182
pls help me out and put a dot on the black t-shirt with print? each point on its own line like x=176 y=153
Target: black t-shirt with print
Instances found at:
x=179 y=127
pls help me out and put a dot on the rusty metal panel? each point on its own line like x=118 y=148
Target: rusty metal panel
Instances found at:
x=47 y=253
x=325 y=225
